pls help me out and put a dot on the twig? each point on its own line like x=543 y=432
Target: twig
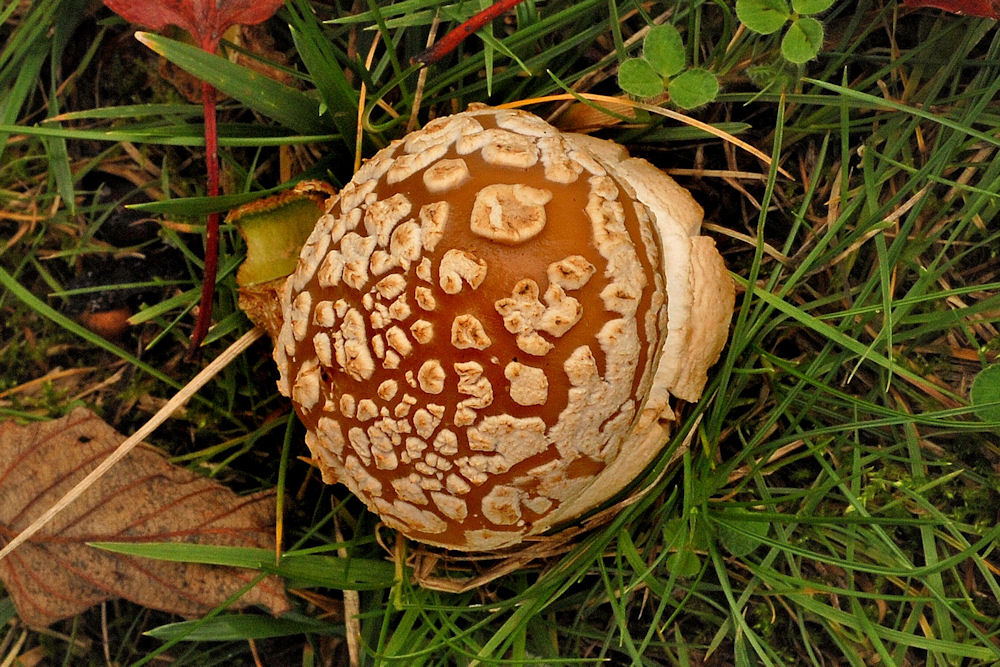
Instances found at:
x=164 y=413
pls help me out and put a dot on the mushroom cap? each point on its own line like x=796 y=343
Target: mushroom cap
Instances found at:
x=473 y=333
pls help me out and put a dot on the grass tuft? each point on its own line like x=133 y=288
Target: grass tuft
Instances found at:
x=833 y=497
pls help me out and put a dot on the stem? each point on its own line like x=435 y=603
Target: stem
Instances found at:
x=212 y=223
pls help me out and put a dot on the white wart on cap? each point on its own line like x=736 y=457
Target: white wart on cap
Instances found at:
x=476 y=322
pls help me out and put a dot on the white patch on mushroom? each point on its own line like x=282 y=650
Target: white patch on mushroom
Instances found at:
x=500 y=148
x=456 y=484
x=408 y=488
x=559 y=167
x=387 y=389
x=570 y=273
x=408 y=164
x=391 y=361
x=458 y=265
x=351 y=347
x=562 y=312
x=324 y=348
x=354 y=192
x=415 y=448
x=473 y=468
x=365 y=482
x=509 y=214
x=299 y=314
x=391 y=286
x=357 y=250
x=431 y=376
x=528 y=385
x=360 y=444
x=348 y=405
x=473 y=383
x=446 y=443
x=382 y=216
x=424 y=270
x=432 y=221
x=405 y=245
x=404 y=405
x=400 y=308
x=382 y=262
x=324 y=315
x=422 y=331
x=306 y=389
x=330 y=269
x=468 y=332
x=502 y=505
x=522 y=312
x=411 y=517
x=378 y=345
x=523 y=123
x=454 y=508
x=330 y=435
x=312 y=252
x=424 y=298
x=424 y=422
x=537 y=504
x=446 y=175
x=366 y=410
x=440 y=132
x=532 y=343
x=397 y=340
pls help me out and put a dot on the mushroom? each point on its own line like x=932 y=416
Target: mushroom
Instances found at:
x=487 y=325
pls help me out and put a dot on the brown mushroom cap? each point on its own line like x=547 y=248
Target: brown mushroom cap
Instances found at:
x=476 y=321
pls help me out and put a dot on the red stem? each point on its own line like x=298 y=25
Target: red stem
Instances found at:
x=212 y=224
x=450 y=42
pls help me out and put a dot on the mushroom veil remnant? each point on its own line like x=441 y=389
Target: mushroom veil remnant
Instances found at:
x=486 y=326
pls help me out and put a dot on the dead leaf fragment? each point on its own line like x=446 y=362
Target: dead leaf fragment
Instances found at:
x=985 y=8
x=56 y=575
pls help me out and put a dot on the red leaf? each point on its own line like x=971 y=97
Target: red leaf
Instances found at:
x=206 y=20
x=989 y=9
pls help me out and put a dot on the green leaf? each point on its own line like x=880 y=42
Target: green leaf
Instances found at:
x=740 y=534
x=811 y=6
x=299 y=570
x=637 y=77
x=763 y=16
x=693 y=88
x=663 y=48
x=237 y=627
x=684 y=563
x=282 y=103
x=802 y=41
x=985 y=394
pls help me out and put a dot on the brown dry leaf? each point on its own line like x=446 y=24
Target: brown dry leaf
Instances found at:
x=143 y=498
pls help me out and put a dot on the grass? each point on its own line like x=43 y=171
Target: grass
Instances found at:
x=839 y=501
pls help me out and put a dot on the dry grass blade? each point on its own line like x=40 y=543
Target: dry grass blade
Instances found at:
x=673 y=115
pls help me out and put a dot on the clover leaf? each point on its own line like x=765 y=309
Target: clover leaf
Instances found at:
x=804 y=36
x=662 y=68
x=985 y=394
x=663 y=48
x=803 y=40
x=763 y=16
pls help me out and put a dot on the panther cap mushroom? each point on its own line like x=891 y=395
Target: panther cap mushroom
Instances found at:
x=485 y=328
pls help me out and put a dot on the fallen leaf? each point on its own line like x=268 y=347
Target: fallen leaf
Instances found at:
x=989 y=9
x=56 y=574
